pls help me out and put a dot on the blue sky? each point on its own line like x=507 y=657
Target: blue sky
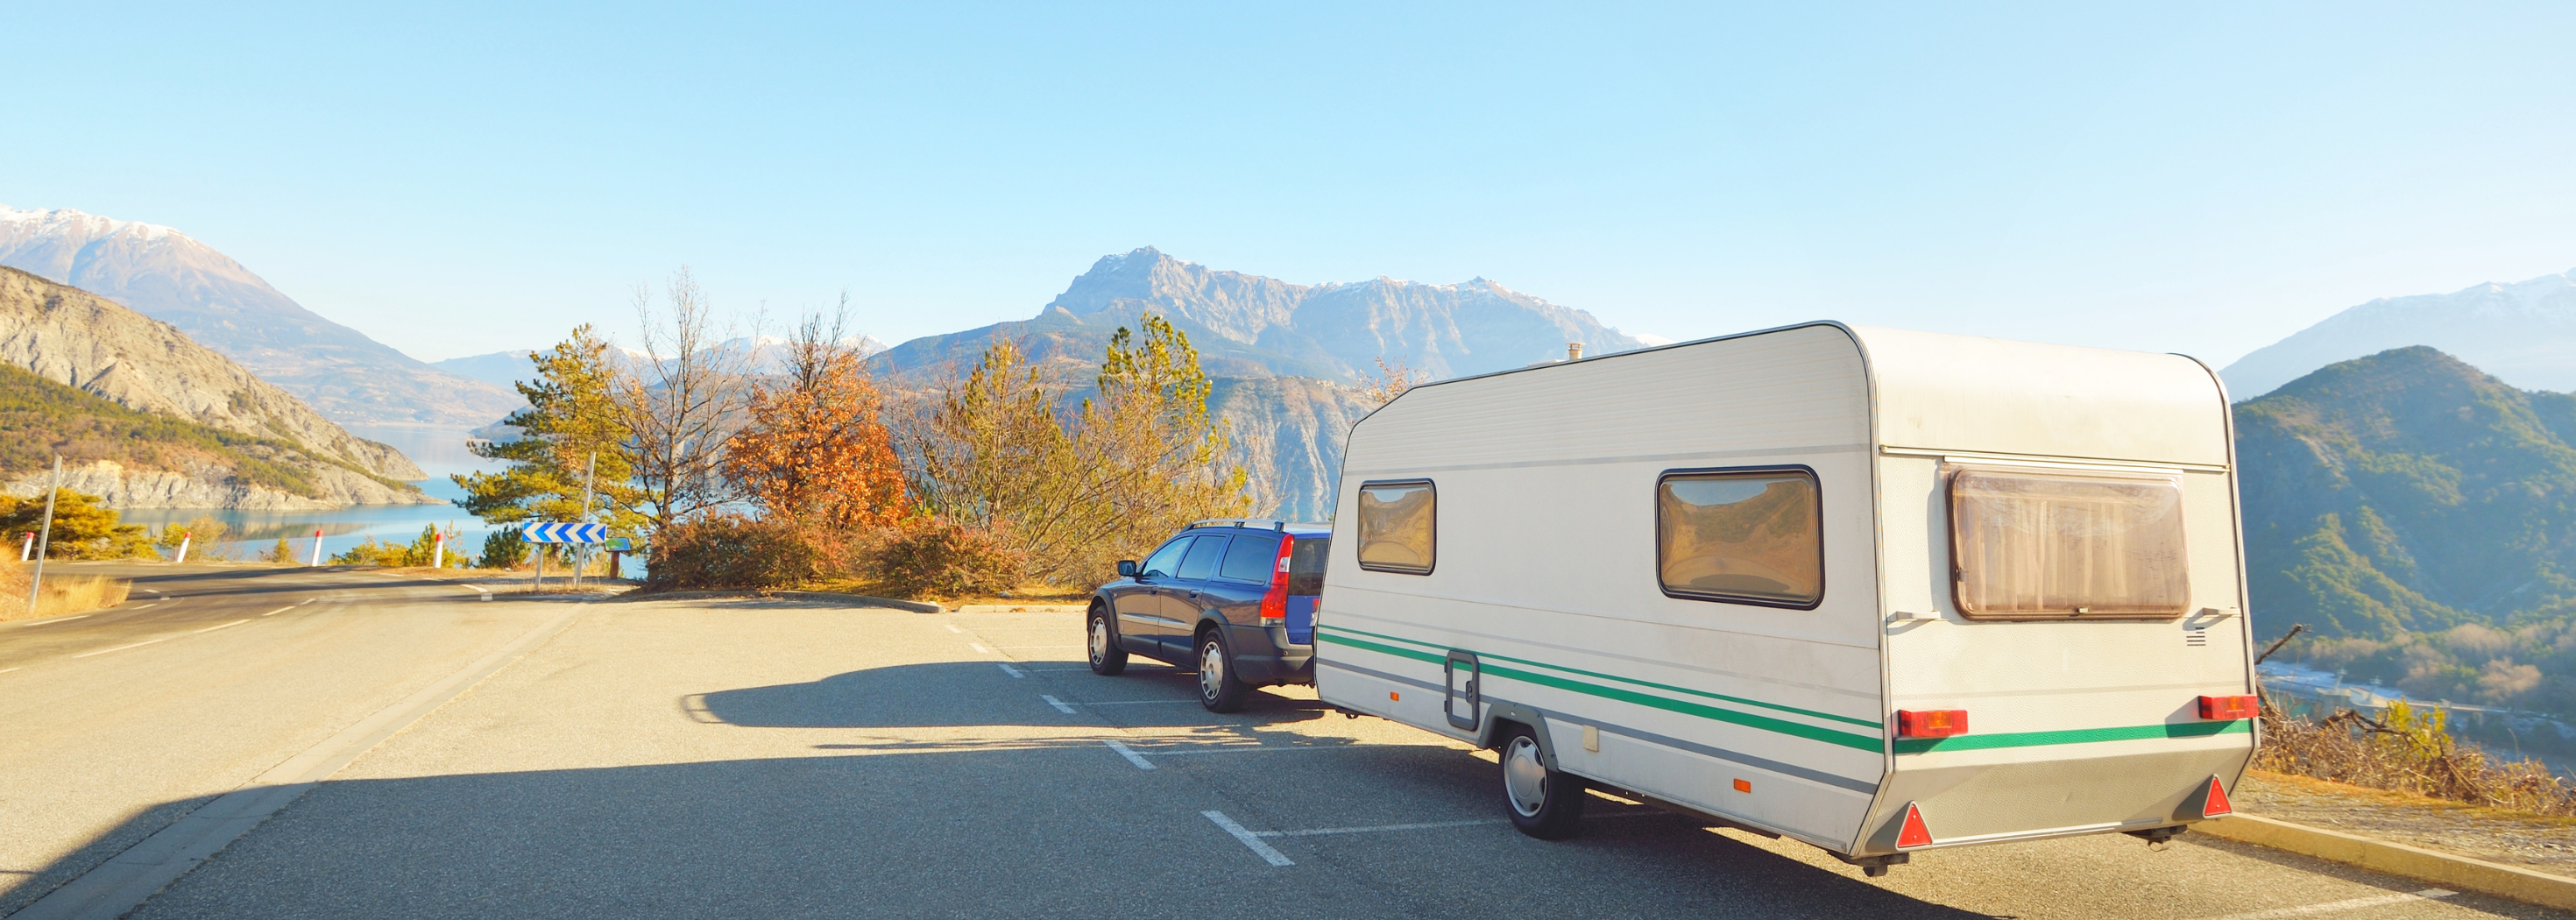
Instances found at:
x=2172 y=177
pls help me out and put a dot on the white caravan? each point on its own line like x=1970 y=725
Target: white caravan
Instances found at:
x=1876 y=590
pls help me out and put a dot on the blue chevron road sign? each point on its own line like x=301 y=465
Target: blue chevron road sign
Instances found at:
x=564 y=533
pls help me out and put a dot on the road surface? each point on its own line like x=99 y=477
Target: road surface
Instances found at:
x=781 y=759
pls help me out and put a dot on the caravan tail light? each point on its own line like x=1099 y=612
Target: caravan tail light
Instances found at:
x=1931 y=723
x=1274 y=602
x=2224 y=708
x=2215 y=805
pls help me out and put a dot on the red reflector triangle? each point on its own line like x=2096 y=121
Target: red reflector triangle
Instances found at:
x=1913 y=834
x=2217 y=804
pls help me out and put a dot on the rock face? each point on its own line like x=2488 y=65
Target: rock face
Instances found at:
x=2524 y=334
x=209 y=486
x=86 y=342
x=168 y=276
x=1288 y=433
x=1251 y=326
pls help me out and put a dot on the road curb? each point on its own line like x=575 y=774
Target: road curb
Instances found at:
x=854 y=600
x=2458 y=872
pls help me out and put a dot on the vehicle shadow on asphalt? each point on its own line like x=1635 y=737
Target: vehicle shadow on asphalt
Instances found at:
x=984 y=833
x=927 y=696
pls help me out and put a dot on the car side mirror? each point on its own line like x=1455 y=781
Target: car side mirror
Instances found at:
x=1126 y=568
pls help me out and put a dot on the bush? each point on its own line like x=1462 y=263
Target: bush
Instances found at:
x=83 y=528
x=940 y=559
x=731 y=551
x=2410 y=750
x=504 y=549
x=62 y=593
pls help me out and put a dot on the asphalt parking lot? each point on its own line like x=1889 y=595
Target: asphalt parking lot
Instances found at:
x=772 y=759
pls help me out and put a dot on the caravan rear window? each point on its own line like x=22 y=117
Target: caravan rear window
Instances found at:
x=1397 y=526
x=2049 y=545
x=1746 y=536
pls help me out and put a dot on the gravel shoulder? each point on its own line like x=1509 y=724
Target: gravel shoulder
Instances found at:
x=2539 y=843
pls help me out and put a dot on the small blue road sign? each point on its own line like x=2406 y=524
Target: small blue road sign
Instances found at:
x=565 y=533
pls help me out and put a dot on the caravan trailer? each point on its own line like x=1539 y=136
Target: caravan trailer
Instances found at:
x=1875 y=590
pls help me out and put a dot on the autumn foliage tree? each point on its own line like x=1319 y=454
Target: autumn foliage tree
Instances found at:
x=814 y=451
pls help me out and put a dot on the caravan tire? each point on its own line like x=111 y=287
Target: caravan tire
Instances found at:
x=1543 y=803
x=1107 y=659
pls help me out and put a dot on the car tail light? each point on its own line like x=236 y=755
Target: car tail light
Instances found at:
x=1931 y=723
x=1913 y=833
x=2216 y=804
x=2222 y=708
x=1274 y=602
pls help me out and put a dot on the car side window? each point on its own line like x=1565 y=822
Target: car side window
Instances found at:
x=1201 y=562
x=1253 y=559
x=1165 y=561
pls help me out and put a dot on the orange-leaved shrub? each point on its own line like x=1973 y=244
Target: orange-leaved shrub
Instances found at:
x=732 y=551
x=938 y=558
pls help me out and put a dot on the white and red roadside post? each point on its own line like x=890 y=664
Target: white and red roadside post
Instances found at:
x=317 y=546
x=184 y=537
x=438 y=551
x=27 y=549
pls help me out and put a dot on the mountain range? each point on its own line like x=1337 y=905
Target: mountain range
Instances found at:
x=149 y=418
x=2523 y=333
x=169 y=276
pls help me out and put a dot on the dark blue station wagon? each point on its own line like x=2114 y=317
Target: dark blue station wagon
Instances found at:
x=1233 y=599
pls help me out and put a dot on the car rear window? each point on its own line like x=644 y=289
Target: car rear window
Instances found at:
x=2045 y=545
x=1306 y=565
x=1252 y=559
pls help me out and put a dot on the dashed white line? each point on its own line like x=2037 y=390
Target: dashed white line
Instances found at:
x=1250 y=841
x=1058 y=704
x=1127 y=752
x=7 y=670
x=2336 y=907
x=54 y=620
x=213 y=628
x=952 y=627
x=124 y=647
x=1423 y=826
x=1007 y=669
x=1135 y=702
x=142 y=605
x=281 y=610
x=980 y=649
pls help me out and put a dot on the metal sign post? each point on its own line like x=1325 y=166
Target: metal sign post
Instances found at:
x=544 y=533
x=45 y=542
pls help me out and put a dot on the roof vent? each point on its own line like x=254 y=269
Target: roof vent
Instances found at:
x=1574 y=351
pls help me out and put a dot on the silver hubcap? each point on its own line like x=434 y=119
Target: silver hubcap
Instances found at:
x=1099 y=639
x=1524 y=777
x=1211 y=670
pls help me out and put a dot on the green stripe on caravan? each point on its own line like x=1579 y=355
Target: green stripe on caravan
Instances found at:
x=1343 y=636
x=1685 y=707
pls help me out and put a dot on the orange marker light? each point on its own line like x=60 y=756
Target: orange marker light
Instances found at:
x=2225 y=708
x=1931 y=723
x=1392 y=695
x=1743 y=785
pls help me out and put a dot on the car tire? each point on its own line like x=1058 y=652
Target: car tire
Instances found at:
x=1108 y=659
x=1219 y=689
x=1543 y=803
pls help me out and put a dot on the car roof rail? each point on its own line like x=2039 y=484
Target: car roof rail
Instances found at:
x=1249 y=523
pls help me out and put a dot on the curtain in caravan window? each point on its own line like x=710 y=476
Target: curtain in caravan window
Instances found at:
x=1396 y=526
x=2052 y=545
x=1749 y=536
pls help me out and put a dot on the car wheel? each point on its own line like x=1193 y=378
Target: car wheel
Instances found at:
x=1543 y=803
x=1219 y=689
x=1107 y=659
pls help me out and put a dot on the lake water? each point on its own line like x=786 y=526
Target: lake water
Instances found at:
x=440 y=451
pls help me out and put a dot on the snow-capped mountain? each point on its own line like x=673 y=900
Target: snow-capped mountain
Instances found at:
x=167 y=275
x=2523 y=334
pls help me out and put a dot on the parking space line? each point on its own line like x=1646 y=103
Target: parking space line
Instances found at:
x=1045 y=646
x=952 y=627
x=2336 y=907
x=1250 y=840
x=980 y=649
x=1266 y=748
x=1058 y=704
x=1131 y=702
x=1128 y=752
x=1015 y=673
x=213 y=628
x=1421 y=826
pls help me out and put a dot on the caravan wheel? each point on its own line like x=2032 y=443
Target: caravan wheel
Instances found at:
x=1543 y=803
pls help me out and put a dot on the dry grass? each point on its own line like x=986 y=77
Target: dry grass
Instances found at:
x=63 y=594
x=2410 y=750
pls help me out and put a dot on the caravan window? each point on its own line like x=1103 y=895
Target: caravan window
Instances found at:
x=2030 y=544
x=1397 y=526
x=1745 y=536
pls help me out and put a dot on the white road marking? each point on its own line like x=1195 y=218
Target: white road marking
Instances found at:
x=1423 y=826
x=1250 y=840
x=2336 y=907
x=124 y=647
x=281 y=610
x=1007 y=669
x=153 y=590
x=1269 y=748
x=952 y=627
x=1127 y=752
x=213 y=628
x=1045 y=646
x=54 y=620
x=7 y=670
x=139 y=606
x=1058 y=704
x=980 y=649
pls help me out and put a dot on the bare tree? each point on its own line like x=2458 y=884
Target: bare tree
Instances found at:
x=681 y=400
